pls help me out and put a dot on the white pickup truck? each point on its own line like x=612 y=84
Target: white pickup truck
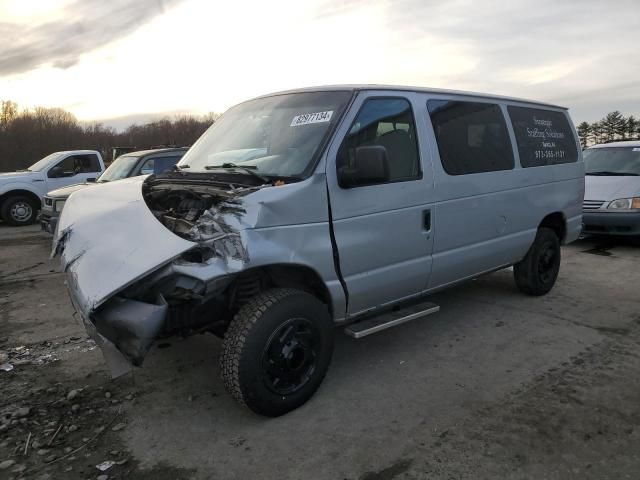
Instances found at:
x=21 y=191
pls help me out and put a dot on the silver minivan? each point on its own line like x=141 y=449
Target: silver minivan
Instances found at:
x=303 y=210
x=612 y=189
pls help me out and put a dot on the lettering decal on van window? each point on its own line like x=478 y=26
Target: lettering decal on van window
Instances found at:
x=636 y=149
x=544 y=137
x=307 y=118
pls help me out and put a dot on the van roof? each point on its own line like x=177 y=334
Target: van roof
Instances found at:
x=626 y=143
x=405 y=88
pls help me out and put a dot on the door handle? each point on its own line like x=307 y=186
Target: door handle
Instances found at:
x=38 y=180
x=426 y=220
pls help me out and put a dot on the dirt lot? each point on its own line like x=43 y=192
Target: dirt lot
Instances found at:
x=496 y=385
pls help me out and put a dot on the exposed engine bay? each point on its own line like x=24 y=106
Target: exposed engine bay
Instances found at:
x=198 y=209
x=206 y=211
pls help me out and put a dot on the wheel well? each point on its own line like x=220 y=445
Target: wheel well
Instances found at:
x=25 y=193
x=292 y=276
x=556 y=222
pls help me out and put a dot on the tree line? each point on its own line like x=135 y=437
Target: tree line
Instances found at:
x=613 y=126
x=26 y=135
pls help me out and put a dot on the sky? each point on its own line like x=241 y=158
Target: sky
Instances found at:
x=122 y=60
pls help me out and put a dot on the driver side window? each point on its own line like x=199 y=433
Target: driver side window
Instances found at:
x=74 y=164
x=388 y=123
x=64 y=168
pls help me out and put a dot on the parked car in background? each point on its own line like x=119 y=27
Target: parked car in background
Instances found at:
x=21 y=191
x=144 y=162
x=612 y=189
x=302 y=210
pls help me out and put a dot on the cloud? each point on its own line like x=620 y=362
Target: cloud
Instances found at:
x=84 y=25
x=573 y=52
x=577 y=53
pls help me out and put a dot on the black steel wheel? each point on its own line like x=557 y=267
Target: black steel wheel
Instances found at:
x=538 y=271
x=277 y=351
x=289 y=358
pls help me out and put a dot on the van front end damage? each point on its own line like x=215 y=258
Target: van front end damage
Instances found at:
x=162 y=304
x=122 y=263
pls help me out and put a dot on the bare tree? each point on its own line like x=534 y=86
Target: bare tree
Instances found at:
x=27 y=135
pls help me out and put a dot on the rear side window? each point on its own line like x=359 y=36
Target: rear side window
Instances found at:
x=387 y=122
x=472 y=137
x=543 y=137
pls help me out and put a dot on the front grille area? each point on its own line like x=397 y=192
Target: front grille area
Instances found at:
x=592 y=204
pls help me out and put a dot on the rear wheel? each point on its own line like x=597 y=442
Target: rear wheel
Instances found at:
x=277 y=351
x=536 y=274
x=19 y=210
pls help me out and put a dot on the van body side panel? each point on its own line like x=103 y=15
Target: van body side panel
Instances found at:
x=489 y=219
x=385 y=251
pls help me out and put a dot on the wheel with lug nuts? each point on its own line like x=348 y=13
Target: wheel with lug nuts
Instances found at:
x=277 y=351
x=19 y=210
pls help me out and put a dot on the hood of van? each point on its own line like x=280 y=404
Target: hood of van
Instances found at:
x=608 y=188
x=64 y=192
x=107 y=239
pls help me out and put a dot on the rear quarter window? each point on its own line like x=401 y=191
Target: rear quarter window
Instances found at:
x=544 y=137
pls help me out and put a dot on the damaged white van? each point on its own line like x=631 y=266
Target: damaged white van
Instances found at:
x=299 y=211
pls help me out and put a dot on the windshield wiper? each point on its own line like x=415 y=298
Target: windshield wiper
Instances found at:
x=245 y=168
x=606 y=173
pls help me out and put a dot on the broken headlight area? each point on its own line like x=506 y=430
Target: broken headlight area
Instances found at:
x=195 y=208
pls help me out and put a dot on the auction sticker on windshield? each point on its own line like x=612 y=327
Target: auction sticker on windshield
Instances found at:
x=307 y=118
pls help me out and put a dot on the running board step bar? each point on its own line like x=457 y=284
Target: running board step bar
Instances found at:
x=390 y=319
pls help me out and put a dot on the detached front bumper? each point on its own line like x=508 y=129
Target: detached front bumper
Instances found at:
x=124 y=329
x=611 y=223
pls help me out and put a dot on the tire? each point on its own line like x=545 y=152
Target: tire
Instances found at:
x=19 y=210
x=536 y=274
x=277 y=351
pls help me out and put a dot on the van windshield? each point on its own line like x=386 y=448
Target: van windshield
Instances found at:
x=612 y=161
x=272 y=136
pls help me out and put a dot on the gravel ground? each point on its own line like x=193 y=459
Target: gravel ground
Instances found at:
x=496 y=385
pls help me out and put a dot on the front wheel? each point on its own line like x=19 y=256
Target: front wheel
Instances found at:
x=19 y=210
x=277 y=351
x=537 y=272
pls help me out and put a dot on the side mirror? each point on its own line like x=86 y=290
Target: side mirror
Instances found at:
x=56 y=172
x=370 y=165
